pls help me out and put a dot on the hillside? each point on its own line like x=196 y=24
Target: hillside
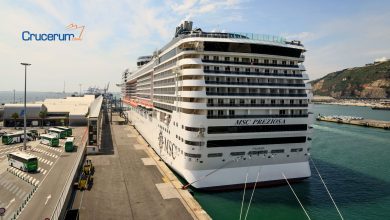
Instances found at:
x=372 y=81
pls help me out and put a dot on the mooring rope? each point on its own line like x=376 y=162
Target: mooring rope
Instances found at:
x=323 y=182
x=253 y=192
x=296 y=197
x=243 y=195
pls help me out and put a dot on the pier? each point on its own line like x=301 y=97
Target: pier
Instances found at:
x=131 y=182
x=356 y=121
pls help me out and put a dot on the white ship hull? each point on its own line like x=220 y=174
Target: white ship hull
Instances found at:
x=231 y=176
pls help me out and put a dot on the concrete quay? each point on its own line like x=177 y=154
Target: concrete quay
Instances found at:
x=360 y=122
x=130 y=182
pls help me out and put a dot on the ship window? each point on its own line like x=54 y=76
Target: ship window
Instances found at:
x=276 y=71
x=255 y=141
x=194 y=143
x=210 y=101
x=242 y=101
x=291 y=62
x=283 y=62
x=216 y=68
x=193 y=155
x=245 y=60
x=272 y=101
x=206 y=57
x=214 y=155
x=257 y=70
x=262 y=101
x=227 y=69
x=255 y=60
x=266 y=61
x=209 y=112
x=232 y=101
x=227 y=59
x=220 y=101
x=266 y=70
x=231 y=112
x=257 y=152
x=236 y=59
x=291 y=101
x=237 y=153
x=277 y=151
x=285 y=71
x=296 y=149
x=247 y=69
x=259 y=128
x=274 y=62
x=237 y=69
x=216 y=58
x=206 y=68
x=282 y=112
x=220 y=112
x=253 y=101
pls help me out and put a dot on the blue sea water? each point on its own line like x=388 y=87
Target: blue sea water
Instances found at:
x=354 y=162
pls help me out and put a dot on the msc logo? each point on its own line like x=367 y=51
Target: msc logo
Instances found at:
x=75 y=36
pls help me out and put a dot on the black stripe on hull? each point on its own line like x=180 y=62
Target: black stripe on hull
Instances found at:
x=251 y=185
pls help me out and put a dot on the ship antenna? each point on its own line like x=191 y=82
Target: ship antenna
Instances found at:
x=299 y=201
x=323 y=182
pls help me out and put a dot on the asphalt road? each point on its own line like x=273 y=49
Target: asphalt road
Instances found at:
x=43 y=187
x=124 y=187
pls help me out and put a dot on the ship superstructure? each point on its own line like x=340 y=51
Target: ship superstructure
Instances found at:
x=219 y=106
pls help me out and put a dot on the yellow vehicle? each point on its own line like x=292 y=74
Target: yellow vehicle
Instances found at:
x=84 y=181
x=88 y=168
x=86 y=176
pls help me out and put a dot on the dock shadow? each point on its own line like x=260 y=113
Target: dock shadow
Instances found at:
x=107 y=144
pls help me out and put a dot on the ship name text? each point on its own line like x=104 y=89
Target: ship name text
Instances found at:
x=264 y=121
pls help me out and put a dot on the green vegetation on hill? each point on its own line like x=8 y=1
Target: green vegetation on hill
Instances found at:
x=371 y=81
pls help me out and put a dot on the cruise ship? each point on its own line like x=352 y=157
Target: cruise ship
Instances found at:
x=224 y=110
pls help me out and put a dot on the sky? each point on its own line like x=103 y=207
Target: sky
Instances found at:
x=336 y=34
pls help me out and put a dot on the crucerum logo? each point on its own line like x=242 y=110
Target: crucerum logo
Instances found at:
x=75 y=34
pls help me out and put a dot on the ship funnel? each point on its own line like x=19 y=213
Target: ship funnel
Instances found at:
x=183 y=28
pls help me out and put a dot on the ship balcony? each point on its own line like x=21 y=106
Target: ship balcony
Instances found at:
x=246 y=94
x=191 y=105
x=192 y=94
x=241 y=73
x=239 y=84
x=191 y=83
x=251 y=63
x=257 y=105
x=191 y=72
x=189 y=61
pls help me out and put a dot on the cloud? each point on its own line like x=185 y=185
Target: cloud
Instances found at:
x=302 y=36
x=382 y=59
x=116 y=33
x=346 y=42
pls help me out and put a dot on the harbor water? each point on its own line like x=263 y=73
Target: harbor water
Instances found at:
x=354 y=162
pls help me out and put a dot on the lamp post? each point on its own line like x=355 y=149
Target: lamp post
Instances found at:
x=25 y=111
